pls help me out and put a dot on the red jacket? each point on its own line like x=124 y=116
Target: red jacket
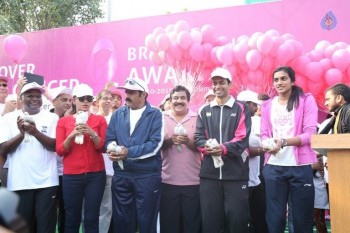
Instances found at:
x=81 y=158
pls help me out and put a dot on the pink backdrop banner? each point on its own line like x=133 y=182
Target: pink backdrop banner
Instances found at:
x=113 y=51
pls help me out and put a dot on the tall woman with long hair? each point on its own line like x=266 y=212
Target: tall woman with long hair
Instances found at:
x=80 y=139
x=287 y=122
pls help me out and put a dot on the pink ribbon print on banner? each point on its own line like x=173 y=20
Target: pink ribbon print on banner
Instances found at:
x=15 y=47
x=103 y=63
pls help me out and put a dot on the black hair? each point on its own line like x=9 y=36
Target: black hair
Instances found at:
x=296 y=91
x=179 y=88
x=263 y=96
x=340 y=89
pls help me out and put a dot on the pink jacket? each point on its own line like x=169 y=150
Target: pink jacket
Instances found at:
x=306 y=115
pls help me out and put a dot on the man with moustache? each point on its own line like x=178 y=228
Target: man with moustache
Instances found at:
x=338 y=101
x=180 y=206
x=222 y=134
x=30 y=146
x=138 y=128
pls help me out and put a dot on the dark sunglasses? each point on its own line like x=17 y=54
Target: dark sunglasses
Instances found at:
x=3 y=84
x=133 y=82
x=88 y=98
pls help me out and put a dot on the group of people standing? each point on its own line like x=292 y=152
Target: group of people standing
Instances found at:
x=128 y=166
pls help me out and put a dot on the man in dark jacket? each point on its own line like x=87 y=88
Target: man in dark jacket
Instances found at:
x=222 y=134
x=137 y=128
x=338 y=101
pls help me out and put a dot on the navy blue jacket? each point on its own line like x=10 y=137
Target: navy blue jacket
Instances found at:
x=143 y=144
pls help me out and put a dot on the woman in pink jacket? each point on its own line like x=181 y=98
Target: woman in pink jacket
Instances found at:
x=287 y=122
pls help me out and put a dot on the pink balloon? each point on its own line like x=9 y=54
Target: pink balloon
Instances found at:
x=253 y=39
x=175 y=51
x=243 y=39
x=328 y=52
x=151 y=43
x=287 y=36
x=341 y=44
x=196 y=52
x=169 y=28
x=157 y=31
x=196 y=35
x=314 y=71
x=264 y=44
x=181 y=25
x=163 y=42
x=341 y=59
x=277 y=42
x=172 y=36
x=326 y=64
x=225 y=55
x=222 y=40
x=285 y=53
x=322 y=45
x=333 y=76
x=240 y=50
x=15 y=47
x=297 y=46
x=253 y=59
x=315 y=55
x=300 y=64
x=213 y=56
x=272 y=32
x=184 y=39
x=208 y=33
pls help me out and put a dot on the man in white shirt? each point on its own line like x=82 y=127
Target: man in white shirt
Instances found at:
x=61 y=101
x=28 y=138
x=257 y=203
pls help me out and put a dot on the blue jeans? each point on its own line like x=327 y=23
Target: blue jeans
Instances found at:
x=296 y=183
x=76 y=188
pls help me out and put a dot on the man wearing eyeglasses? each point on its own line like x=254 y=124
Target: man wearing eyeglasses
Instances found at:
x=138 y=128
x=3 y=92
x=29 y=142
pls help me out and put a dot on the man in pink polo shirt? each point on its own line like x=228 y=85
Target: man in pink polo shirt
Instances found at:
x=179 y=206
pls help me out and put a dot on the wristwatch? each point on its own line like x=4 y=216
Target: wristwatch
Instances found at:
x=94 y=136
x=284 y=143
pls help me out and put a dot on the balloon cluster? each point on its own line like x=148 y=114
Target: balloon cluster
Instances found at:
x=194 y=52
x=187 y=50
x=324 y=66
x=15 y=47
x=252 y=59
